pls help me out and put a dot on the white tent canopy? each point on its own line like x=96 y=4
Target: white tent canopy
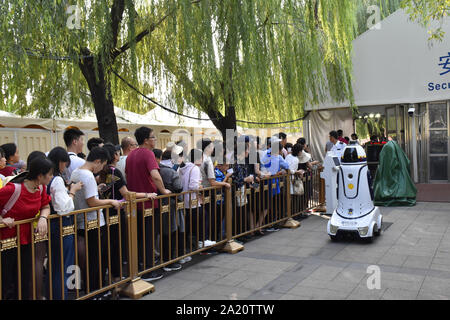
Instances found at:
x=396 y=64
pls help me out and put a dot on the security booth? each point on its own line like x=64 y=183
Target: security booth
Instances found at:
x=401 y=85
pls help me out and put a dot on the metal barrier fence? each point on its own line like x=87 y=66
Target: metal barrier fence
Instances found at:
x=91 y=251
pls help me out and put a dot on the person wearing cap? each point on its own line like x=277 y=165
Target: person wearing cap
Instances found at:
x=128 y=144
x=170 y=145
x=176 y=155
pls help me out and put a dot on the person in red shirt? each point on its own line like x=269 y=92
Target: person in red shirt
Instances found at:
x=33 y=199
x=142 y=173
x=341 y=136
x=11 y=156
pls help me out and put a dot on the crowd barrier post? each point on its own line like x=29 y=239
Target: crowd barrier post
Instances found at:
x=289 y=223
x=138 y=287
x=321 y=207
x=231 y=246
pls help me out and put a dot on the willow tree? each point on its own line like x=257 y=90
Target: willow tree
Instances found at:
x=57 y=56
x=428 y=13
x=260 y=60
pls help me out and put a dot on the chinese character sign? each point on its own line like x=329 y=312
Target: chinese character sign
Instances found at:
x=445 y=63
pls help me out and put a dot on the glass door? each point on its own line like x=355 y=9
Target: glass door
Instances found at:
x=438 y=149
x=395 y=126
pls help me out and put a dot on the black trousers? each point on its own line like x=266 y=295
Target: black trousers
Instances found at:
x=10 y=274
x=148 y=231
x=97 y=263
x=195 y=227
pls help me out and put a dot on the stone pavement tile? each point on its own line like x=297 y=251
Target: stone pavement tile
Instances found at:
x=317 y=294
x=399 y=294
x=351 y=275
x=363 y=257
x=424 y=295
x=304 y=251
x=443 y=251
x=285 y=282
x=234 y=278
x=418 y=262
x=441 y=267
x=403 y=274
x=363 y=293
x=153 y=296
x=280 y=250
x=219 y=292
x=228 y=261
x=407 y=240
x=326 y=253
x=392 y=259
x=399 y=284
x=411 y=251
x=335 y=285
x=437 y=228
x=326 y=273
x=267 y=266
x=201 y=267
x=179 y=292
x=294 y=297
x=395 y=280
x=441 y=260
x=198 y=276
x=258 y=281
x=436 y=286
x=441 y=274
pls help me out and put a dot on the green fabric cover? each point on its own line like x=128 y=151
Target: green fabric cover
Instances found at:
x=393 y=185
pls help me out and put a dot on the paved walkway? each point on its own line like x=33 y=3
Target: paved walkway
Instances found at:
x=413 y=255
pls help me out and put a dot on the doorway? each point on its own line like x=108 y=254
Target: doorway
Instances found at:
x=438 y=138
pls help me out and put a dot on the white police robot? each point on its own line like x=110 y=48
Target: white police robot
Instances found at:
x=355 y=212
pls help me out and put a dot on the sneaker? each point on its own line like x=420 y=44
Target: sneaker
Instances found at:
x=272 y=229
x=209 y=243
x=152 y=276
x=209 y=252
x=172 y=267
x=184 y=260
x=103 y=296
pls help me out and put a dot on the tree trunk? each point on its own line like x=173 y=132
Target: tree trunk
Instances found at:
x=102 y=99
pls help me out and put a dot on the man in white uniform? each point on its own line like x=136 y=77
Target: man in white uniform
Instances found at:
x=339 y=146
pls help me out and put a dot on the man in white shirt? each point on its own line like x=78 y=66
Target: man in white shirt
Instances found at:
x=74 y=140
x=88 y=197
x=128 y=144
x=339 y=146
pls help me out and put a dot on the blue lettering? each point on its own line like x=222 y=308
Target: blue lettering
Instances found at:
x=438 y=86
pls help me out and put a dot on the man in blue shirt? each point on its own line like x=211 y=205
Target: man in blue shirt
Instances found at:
x=273 y=163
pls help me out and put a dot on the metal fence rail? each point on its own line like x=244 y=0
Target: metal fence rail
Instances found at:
x=91 y=251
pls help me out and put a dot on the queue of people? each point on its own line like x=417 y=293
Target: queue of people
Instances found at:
x=61 y=181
